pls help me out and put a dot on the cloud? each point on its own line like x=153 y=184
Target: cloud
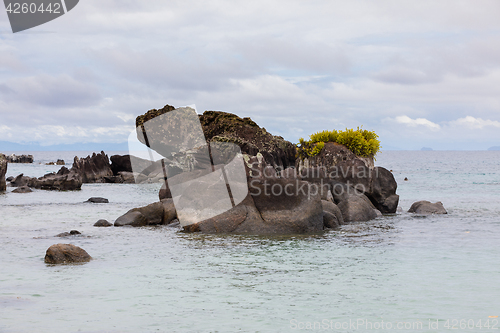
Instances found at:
x=475 y=123
x=417 y=122
x=412 y=71
x=53 y=91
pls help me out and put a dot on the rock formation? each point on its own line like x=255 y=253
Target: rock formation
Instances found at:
x=20 y=159
x=337 y=163
x=3 y=170
x=63 y=180
x=93 y=169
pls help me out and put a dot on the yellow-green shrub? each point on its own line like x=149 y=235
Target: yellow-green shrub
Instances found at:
x=361 y=142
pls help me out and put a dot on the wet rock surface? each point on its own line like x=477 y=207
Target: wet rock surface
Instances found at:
x=426 y=207
x=66 y=254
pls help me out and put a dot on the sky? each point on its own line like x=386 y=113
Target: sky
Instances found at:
x=418 y=73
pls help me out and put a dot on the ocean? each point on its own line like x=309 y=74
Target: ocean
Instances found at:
x=401 y=273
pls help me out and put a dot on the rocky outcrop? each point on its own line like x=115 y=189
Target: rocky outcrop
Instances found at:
x=337 y=163
x=66 y=254
x=20 y=180
x=63 y=180
x=20 y=158
x=426 y=207
x=227 y=127
x=3 y=170
x=93 y=169
x=157 y=213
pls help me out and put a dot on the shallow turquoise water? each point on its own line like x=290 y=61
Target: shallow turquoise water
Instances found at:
x=400 y=269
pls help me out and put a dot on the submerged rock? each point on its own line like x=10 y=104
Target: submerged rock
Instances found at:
x=103 y=223
x=426 y=207
x=22 y=189
x=98 y=200
x=71 y=233
x=66 y=254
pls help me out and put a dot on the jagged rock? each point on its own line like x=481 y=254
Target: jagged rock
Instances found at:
x=93 y=169
x=20 y=159
x=3 y=170
x=22 y=189
x=426 y=207
x=20 y=180
x=162 y=212
x=98 y=200
x=227 y=127
x=60 y=162
x=103 y=223
x=66 y=254
x=63 y=180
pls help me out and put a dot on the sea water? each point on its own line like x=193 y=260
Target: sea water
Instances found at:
x=401 y=273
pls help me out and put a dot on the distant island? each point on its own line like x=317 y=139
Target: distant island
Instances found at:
x=494 y=148
x=426 y=149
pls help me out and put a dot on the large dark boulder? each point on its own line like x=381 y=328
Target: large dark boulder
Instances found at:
x=162 y=212
x=426 y=207
x=66 y=254
x=93 y=169
x=353 y=204
x=382 y=191
x=277 y=206
x=3 y=171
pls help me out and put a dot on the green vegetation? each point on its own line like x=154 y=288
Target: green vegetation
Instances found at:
x=361 y=142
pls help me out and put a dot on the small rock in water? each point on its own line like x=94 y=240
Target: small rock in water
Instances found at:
x=426 y=207
x=71 y=233
x=406 y=179
x=98 y=200
x=103 y=223
x=22 y=189
x=66 y=254
x=9 y=179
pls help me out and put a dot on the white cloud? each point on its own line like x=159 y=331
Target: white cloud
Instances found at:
x=416 y=122
x=475 y=123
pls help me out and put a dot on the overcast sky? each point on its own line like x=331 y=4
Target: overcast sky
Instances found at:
x=419 y=73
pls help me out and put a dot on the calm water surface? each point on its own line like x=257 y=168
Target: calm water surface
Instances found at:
x=396 y=270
